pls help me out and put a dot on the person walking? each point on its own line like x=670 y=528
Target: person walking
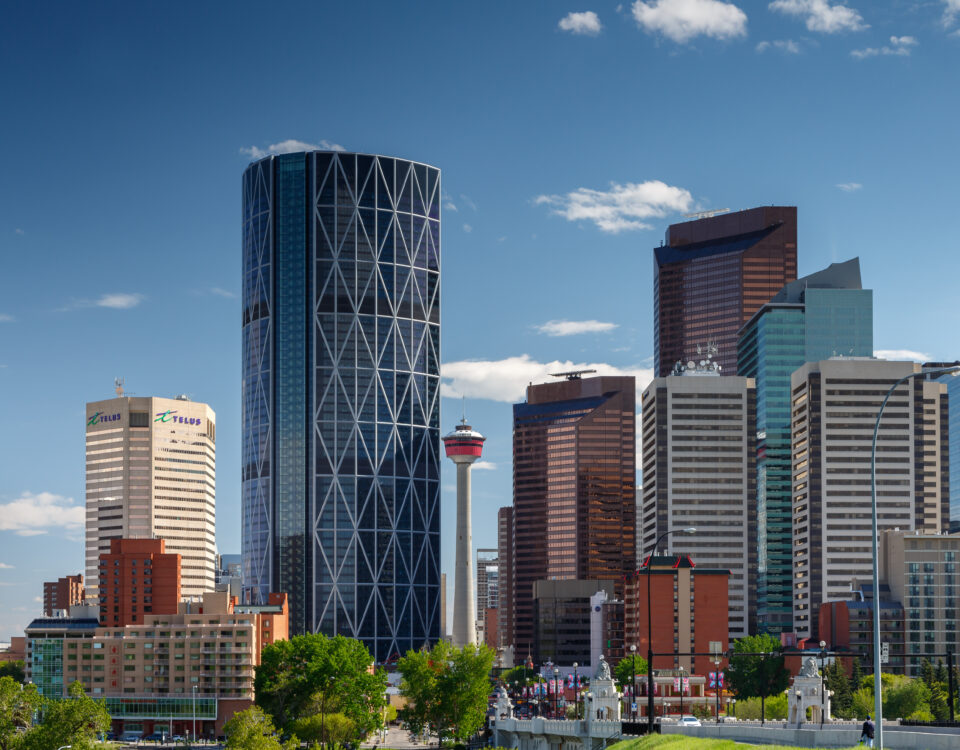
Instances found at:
x=866 y=736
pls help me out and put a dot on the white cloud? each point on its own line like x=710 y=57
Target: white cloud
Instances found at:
x=36 y=513
x=586 y=23
x=450 y=207
x=467 y=228
x=222 y=292
x=506 y=380
x=849 y=187
x=901 y=354
x=821 y=16
x=485 y=466
x=19 y=231
x=119 y=301
x=950 y=13
x=4 y=318
x=290 y=146
x=469 y=201
x=682 y=20
x=4 y=566
x=787 y=46
x=574 y=327
x=622 y=207
x=899 y=45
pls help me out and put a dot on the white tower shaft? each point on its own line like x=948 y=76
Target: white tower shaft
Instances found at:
x=464 y=602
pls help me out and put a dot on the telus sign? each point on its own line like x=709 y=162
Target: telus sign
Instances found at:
x=99 y=417
x=169 y=416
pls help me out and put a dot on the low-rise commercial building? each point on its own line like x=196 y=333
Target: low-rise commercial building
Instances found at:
x=157 y=675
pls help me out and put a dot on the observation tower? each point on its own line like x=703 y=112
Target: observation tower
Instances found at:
x=464 y=446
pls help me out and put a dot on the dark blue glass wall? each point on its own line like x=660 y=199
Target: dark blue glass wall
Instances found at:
x=345 y=517
x=778 y=340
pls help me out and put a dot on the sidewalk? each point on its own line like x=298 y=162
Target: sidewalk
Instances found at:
x=399 y=739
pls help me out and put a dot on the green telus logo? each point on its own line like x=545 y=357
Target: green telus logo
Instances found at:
x=164 y=416
x=94 y=419
x=99 y=417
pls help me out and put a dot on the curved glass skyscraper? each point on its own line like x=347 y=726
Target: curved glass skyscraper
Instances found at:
x=341 y=366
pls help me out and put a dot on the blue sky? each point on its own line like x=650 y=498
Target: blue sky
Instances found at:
x=569 y=136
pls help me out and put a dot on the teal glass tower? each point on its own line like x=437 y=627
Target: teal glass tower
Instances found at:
x=823 y=315
x=341 y=376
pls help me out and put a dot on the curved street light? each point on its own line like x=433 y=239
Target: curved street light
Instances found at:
x=877 y=688
x=688 y=530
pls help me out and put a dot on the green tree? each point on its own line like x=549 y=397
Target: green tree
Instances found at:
x=13 y=669
x=251 y=730
x=17 y=704
x=856 y=674
x=941 y=673
x=325 y=729
x=629 y=666
x=926 y=672
x=774 y=706
x=521 y=675
x=447 y=688
x=311 y=674
x=938 y=702
x=757 y=676
x=902 y=696
x=75 y=721
x=835 y=678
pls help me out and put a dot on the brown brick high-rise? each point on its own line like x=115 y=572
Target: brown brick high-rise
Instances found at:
x=137 y=577
x=712 y=275
x=574 y=488
x=62 y=593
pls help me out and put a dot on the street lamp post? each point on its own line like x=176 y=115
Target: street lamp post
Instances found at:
x=877 y=697
x=688 y=530
x=556 y=693
x=576 y=692
x=823 y=698
x=194 y=713
x=633 y=681
x=716 y=683
x=681 y=692
x=734 y=702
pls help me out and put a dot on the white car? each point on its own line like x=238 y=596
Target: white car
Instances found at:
x=689 y=721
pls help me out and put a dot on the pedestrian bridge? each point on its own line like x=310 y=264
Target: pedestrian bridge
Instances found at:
x=554 y=734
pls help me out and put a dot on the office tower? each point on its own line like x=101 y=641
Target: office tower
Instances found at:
x=341 y=372
x=151 y=474
x=562 y=617
x=464 y=446
x=682 y=593
x=952 y=381
x=712 y=275
x=62 y=594
x=816 y=317
x=138 y=577
x=487 y=579
x=574 y=488
x=699 y=470
x=505 y=575
x=834 y=406
x=921 y=571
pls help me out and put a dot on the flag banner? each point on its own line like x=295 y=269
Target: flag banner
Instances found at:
x=720 y=679
x=686 y=684
x=676 y=684
x=569 y=680
x=712 y=679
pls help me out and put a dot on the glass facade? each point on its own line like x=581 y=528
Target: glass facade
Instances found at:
x=953 y=428
x=712 y=275
x=815 y=324
x=46 y=666
x=574 y=502
x=157 y=707
x=341 y=346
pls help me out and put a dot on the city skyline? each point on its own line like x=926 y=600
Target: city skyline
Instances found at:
x=121 y=237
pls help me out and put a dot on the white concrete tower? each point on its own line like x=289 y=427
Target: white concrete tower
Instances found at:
x=464 y=446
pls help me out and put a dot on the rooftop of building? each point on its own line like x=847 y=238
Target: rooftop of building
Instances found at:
x=667 y=564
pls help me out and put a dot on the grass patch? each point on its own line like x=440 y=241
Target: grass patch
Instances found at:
x=681 y=742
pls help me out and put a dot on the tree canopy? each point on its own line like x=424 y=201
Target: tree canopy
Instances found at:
x=17 y=704
x=313 y=674
x=447 y=688
x=751 y=676
x=14 y=669
x=76 y=721
x=628 y=666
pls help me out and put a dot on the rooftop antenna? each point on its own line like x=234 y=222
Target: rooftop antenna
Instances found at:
x=571 y=374
x=706 y=214
x=118 y=385
x=463 y=413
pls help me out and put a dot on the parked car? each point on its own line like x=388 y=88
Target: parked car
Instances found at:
x=689 y=721
x=155 y=737
x=728 y=718
x=131 y=736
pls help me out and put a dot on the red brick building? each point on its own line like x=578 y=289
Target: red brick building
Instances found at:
x=137 y=577
x=62 y=593
x=689 y=611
